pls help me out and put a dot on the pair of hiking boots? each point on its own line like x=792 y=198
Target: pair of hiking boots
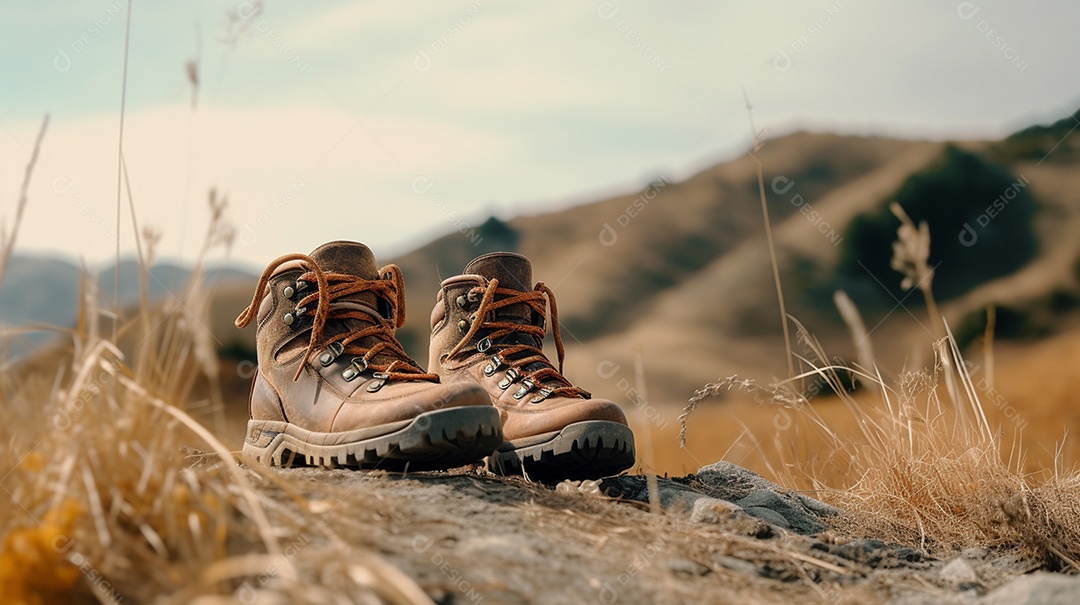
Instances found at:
x=335 y=388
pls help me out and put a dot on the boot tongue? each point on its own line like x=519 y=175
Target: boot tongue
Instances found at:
x=514 y=272
x=350 y=258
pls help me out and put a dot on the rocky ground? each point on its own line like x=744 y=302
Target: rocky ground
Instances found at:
x=721 y=535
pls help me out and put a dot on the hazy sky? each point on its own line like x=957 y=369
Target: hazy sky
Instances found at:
x=390 y=122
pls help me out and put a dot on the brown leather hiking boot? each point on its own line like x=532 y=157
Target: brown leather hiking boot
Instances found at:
x=488 y=328
x=334 y=386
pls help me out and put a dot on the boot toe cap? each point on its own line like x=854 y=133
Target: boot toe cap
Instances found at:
x=554 y=418
x=409 y=405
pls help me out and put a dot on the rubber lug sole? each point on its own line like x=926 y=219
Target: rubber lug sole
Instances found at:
x=437 y=440
x=583 y=450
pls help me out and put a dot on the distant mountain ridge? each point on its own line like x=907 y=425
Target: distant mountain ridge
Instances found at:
x=679 y=272
x=44 y=291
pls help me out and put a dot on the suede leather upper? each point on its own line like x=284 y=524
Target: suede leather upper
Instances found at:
x=455 y=311
x=320 y=398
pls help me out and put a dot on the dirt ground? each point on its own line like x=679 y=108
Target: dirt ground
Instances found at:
x=474 y=538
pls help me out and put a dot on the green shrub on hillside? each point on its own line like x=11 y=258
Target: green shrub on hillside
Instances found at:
x=980 y=218
x=1041 y=142
x=497 y=236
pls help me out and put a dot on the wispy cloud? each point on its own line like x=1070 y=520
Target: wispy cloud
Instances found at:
x=503 y=105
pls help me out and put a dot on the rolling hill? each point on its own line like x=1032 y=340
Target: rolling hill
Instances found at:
x=681 y=270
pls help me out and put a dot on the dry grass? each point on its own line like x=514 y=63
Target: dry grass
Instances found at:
x=919 y=463
x=928 y=469
x=104 y=501
x=924 y=465
x=102 y=504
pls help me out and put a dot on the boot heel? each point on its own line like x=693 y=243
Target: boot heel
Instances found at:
x=266 y=445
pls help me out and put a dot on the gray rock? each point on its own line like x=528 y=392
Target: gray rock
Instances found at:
x=686 y=567
x=748 y=489
x=739 y=566
x=768 y=515
x=728 y=482
x=794 y=516
x=1040 y=588
x=713 y=510
x=733 y=482
x=959 y=573
x=673 y=496
x=817 y=506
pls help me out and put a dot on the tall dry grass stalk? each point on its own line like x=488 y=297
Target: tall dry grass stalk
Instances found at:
x=911 y=257
x=757 y=144
x=924 y=465
x=8 y=236
x=99 y=499
x=929 y=469
x=120 y=162
x=104 y=500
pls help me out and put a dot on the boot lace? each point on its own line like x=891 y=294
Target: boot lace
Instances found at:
x=518 y=355
x=330 y=287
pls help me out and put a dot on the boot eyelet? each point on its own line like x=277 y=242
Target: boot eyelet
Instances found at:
x=380 y=379
x=289 y=319
x=289 y=292
x=526 y=386
x=357 y=367
x=493 y=365
x=483 y=345
x=331 y=353
x=463 y=325
x=301 y=285
x=541 y=395
x=300 y=311
x=462 y=301
x=511 y=375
